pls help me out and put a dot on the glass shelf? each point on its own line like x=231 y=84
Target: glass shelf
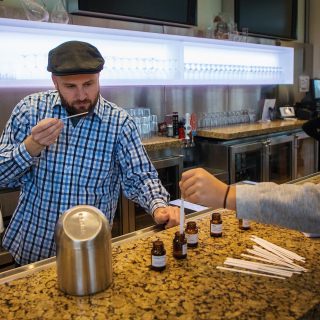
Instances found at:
x=141 y=58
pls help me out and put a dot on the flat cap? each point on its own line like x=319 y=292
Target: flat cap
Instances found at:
x=75 y=57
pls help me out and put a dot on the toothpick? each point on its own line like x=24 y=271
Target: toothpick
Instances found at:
x=75 y=115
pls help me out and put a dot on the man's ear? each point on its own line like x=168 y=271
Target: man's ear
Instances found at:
x=54 y=80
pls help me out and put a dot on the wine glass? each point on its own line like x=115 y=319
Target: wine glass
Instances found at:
x=35 y=10
x=59 y=13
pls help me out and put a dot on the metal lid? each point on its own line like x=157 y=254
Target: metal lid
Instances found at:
x=82 y=223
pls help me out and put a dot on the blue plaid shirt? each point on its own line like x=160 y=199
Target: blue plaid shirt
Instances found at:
x=86 y=165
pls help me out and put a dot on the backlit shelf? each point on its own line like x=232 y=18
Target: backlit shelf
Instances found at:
x=141 y=58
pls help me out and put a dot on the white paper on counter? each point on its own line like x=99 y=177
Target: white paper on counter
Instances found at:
x=311 y=235
x=188 y=205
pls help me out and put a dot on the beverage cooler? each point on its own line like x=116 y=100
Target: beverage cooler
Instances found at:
x=278 y=157
x=307 y=155
x=267 y=160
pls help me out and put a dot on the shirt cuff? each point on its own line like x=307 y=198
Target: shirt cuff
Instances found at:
x=22 y=157
x=155 y=204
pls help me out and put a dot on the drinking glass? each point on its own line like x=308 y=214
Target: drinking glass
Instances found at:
x=244 y=34
x=145 y=127
x=59 y=13
x=154 y=124
x=35 y=10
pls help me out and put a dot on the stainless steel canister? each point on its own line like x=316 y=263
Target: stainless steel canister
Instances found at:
x=83 y=241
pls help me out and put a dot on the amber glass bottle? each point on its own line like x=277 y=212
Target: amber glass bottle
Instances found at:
x=216 y=225
x=244 y=224
x=158 y=256
x=192 y=234
x=179 y=246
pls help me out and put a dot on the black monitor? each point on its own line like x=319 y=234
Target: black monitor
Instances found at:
x=315 y=90
x=275 y=19
x=165 y=12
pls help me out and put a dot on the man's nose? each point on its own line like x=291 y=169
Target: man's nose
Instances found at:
x=82 y=94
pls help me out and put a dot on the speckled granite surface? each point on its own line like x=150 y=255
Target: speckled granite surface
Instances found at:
x=187 y=289
x=314 y=179
x=157 y=143
x=249 y=129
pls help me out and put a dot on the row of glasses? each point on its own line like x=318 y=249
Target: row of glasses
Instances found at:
x=147 y=123
x=140 y=66
x=231 y=68
x=218 y=119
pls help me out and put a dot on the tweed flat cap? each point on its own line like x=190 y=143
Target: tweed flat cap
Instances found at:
x=75 y=57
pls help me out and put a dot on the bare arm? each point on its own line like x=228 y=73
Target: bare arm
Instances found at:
x=199 y=186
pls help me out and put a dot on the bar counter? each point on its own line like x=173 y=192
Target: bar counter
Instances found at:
x=244 y=130
x=187 y=289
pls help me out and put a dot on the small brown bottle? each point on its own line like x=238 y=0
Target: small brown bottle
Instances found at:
x=216 y=225
x=244 y=224
x=192 y=234
x=158 y=256
x=179 y=246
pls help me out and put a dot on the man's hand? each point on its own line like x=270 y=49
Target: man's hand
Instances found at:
x=43 y=134
x=170 y=216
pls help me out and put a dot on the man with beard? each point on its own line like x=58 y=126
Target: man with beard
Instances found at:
x=61 y=162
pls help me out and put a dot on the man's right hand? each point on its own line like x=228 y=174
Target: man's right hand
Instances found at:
x=43 y=134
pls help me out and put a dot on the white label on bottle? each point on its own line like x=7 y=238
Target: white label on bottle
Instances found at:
x=184 y=249
x=192 y=238
x=216 y=228
x=158 y=261
x=245 y=223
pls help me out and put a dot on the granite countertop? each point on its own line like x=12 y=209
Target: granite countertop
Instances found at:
x=187 y=289
x=249 y=129
x=158 y=142
x=315 y=178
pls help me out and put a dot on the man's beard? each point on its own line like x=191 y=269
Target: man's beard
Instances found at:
x=71 y=109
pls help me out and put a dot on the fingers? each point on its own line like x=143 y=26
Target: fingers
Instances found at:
x=192 y=181
x=47 y=131
x=168 y=215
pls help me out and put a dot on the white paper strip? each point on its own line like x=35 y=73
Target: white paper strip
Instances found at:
x=250 y=272
x=182 y=216
x=188 y=205
x=257 y=267
x=274 y=246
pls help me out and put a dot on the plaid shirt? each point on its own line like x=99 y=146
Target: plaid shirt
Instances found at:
x=86 y=165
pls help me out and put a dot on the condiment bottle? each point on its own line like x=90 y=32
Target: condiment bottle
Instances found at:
x=175 y=124
x=192 y=234
x=216 y=225
x=179 y=246
x=244 y=224
x=158 y=256
x=169 y=130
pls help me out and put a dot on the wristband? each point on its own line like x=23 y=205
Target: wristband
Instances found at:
x=226 y=197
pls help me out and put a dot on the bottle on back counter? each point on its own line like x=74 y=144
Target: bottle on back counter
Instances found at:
x=216 y=225
x=179 y=246
x=192 y=234
x=244 y=224
x=175 y=124
x=158 y=256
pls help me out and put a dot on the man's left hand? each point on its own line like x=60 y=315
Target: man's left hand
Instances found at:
x=170 y=216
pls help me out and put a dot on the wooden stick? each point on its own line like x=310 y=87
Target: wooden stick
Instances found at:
x=250 y=272
x=75 y=115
